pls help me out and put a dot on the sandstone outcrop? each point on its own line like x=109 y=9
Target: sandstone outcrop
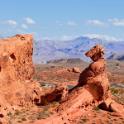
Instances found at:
x=59 y=93
x=74 y=69
x=17 y=88
x=16 y=70
x=16 y=58
x=94 y=77
x=91 y=91
x=93 y=85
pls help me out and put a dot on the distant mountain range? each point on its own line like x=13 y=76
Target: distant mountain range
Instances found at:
x=45 y=50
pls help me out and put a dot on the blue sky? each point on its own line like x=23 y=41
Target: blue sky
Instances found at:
x=63 y=19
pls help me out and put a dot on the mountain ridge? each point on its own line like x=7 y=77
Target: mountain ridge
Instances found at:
x=45 y=50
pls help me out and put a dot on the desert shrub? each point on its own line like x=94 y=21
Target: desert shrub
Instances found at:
x=96 y=108
x=114 y=91
x=24 y=119
x=17 y=112
x=83 y=120
x=9 y=114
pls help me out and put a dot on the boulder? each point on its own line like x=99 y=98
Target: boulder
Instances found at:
x=116 y=107
x=76 y=70
x=59 y=93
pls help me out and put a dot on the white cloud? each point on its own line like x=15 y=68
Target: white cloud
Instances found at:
x=117 y=22
x=68 y=23
x=11 y=22
x=29 y=20
x=60 y=38
x=71 y=23
x=103 y=36
x=66 y=37
x=96 y=22
x=24 y=26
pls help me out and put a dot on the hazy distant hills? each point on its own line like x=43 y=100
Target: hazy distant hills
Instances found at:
x=45 y=50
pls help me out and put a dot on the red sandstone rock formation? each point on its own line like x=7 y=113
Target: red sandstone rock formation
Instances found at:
x=58 y=93
x=92 y=90
x=16 y=70
x=94 y=77
x=17 y=88
x=93 y=86
x=16 y=58
x=74 y=69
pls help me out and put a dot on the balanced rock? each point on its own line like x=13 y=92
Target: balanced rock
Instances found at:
x=94 y=77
